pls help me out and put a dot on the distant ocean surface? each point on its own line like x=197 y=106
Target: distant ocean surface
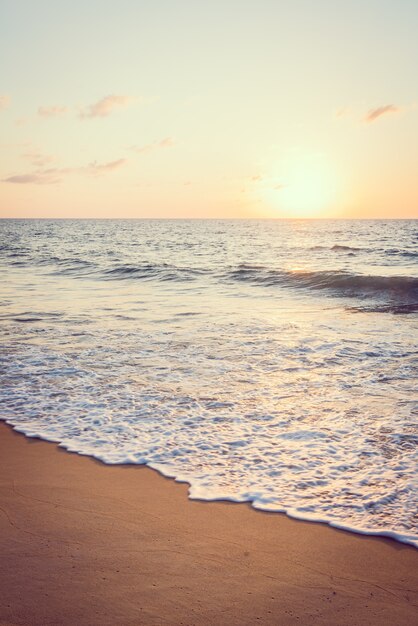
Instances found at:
x=270 y=361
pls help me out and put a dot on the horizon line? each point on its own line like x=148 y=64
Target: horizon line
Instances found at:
x=208 y=219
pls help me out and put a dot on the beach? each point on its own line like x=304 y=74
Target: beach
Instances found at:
x=86 y=543
x=209 y=314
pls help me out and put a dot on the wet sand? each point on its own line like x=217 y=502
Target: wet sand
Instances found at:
x=82 y=543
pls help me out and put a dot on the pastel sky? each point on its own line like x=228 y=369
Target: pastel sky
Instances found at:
x=228 y=108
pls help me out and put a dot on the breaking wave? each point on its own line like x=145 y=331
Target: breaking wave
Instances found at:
x=340 y=282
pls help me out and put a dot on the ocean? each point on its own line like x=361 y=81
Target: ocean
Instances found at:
x=264 y=361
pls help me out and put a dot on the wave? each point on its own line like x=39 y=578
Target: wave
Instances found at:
x=340 y=282
x=399 y=293
x=405 y=253
x=337 y=248
x=31 y=316
x=149 y=271
x=80 y=268
x=340 y=248
x=396 y=309
x=411 y=254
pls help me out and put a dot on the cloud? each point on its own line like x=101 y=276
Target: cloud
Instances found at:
x=32 y=179
x=167 y=142
x=374 y=114
x=52 y=111
x=105 y=106
x=101 y=168
x=342 y=112
x=38 y=159
x=4 y=102
x=142 y=149
x=267 y=182
x=55 y=175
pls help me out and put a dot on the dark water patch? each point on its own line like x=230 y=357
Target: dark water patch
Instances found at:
x=149 y=271
x=395 y=309
x=18 y=254
x=409 y=254
x=120 y=316
x=49 y=260
x=18 y=263
x=75 y=268
x=31 y=316
x=337 y=248
x=27 y=319
x=340 y=282
x=132 y=271
x=340 y=248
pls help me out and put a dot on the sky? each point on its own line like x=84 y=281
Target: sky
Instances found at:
x=221 y=109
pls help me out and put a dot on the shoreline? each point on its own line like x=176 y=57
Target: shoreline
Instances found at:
x=384 y=534
x=87 y=543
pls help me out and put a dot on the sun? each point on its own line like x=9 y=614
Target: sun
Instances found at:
x=307 y=187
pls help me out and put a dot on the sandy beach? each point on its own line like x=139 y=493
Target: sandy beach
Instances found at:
x=84 y=543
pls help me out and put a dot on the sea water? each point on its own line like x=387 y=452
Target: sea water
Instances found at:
x=263 y=361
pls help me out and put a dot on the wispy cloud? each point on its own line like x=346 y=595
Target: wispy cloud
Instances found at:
x=167 y=142
x=267 y=182
x=4 y=102
x=101 y=168
x=37 y=158
x=142 y=149
x=342 y=112
x=48 y=177
x=105 y=106
x=374 y=114
x=52 y=111
x=53 y=175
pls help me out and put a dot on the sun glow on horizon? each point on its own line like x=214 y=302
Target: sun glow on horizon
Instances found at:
x=307 y=187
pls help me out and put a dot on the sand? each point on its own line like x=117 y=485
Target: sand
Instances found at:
x=85 y=543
